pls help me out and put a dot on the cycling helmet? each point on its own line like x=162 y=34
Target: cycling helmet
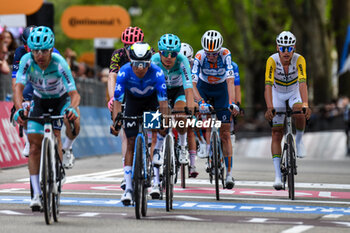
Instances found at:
x=41 y=38
x=286 y=38
x=140 y=51
x=26 y=33
x=132 y=35
x=169 y=42
x=212 y=41
x=186 y=50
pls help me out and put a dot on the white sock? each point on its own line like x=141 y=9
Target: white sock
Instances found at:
x=159 y=143
x=67 y=144
x=228 y=173
x=156 y=175
x=193 y=154
x=276 y=163
x=127 y=177
x=35 y=184
x=298 y=136
x=25 y=136
x=182 y=138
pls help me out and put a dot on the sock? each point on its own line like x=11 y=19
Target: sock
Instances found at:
x=67 y=144
x=208 y=148
x=182 y=140
x=127 y=177
x=159 y=143
x=25 y=136
x=156 y=175
x=193 y=154
x=35 y=184
x=298 y=136
x=276 y=163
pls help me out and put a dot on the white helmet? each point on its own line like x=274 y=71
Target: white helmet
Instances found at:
x=186 y=50
x=286 y=38
x=212 y=41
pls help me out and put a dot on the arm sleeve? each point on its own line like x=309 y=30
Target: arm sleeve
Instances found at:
x=270 y=71
x=228 y=64
x=196 y=68
x=186 y=73
x=161 y=86
x=115 y=60
x=236 y=73
x=120 y=86
x=24 y=64
x=67 y=76
x=301 y=65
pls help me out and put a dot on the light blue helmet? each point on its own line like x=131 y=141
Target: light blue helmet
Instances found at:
x=169 y=42
x=41 y=38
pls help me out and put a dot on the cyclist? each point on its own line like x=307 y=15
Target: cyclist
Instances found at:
x=119 y=58
x=142 y=85
x=68 y=157
x=285 y=79
x=238 y=100
x=53 y=84
x=178 y=79
x=213 y=74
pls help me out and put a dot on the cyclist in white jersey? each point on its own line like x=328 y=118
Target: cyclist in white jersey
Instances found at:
x=285 y=79
x=54 y=92
x=214 y=77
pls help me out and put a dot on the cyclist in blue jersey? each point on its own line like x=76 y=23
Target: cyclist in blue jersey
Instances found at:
x=142 y=85
x=238 y=100
x=213 y=72
x=54 y=92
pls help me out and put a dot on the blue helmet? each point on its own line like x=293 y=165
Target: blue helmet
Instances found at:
x=169 y=42
x=26 y=33
x=41 y=38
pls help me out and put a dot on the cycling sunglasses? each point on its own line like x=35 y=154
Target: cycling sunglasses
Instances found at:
x=166 y=53
x=213 y=54
x=42 y=51
x=288 y=48
x=140 y=64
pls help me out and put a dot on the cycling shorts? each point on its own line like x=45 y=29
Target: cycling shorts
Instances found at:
x=279 y=104
x=55 y=106
x=176 y=94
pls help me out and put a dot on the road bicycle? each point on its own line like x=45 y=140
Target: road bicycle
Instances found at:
x=288 y=157
x=51 y=170
x=141 y=168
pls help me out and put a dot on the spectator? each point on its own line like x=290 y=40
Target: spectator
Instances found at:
x=11 y=44
x=4 y=66
x=71 y=57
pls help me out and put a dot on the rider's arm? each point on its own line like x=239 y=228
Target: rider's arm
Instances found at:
x=112 y=78
x=237 y=83
x=230 y=78
x=114 y=67
x=18 y=95
x=195 y=75
x=301 y=64
x=187 y=81
x=269 y=81
x=74 y=99
x=21 y=80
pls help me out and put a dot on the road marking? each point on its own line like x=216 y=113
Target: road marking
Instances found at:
x=219 y=206
x=88 y=214
x=11 y=212
x=297 y=229
x=332 y=216
x=181 y=217
x=347 y=224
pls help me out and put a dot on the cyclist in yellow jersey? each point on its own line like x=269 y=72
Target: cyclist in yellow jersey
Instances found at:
x=285 y=79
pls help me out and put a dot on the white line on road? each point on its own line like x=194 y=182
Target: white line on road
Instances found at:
x=332 y=216
x=297 y=229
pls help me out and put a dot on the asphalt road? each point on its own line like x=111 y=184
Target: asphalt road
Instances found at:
x=90 y=201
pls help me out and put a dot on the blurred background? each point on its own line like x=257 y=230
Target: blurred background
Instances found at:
x=249 y=29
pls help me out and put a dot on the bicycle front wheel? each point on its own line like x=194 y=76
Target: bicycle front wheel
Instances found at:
x=56 y=197
x=46 y=185
x=215 y=160
x=168 y=175
x=291 y=166
x=138 y=179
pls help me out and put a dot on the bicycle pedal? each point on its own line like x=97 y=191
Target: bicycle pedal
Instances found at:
x=126 y=203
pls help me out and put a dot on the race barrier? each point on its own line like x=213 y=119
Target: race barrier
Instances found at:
x=94 y=138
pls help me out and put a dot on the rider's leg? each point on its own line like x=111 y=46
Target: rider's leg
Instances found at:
x=226 y=146
x=35 y=140
x=68 y=160
x=277 y=135
x=182 y=130
x=128 y=162
x=193 y=152
x=300 y=122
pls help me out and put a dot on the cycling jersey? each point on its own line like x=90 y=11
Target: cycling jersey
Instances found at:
x=281 y=82
x=178 y=75
x=53 y=82
x=213 y=73
x=153 y=81
x=119 y=58
x=236 y=73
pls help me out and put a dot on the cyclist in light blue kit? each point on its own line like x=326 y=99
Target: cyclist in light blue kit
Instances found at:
x=213 y=72
x=54 y=92
x=142 y=85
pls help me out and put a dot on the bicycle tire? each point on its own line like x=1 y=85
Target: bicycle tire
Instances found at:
x=45 y=179
x=138 y=184
x=146 y=183
x=167 y=171
x=291 y=168
x=56 y=197
x=183 y=176
x=215 y=161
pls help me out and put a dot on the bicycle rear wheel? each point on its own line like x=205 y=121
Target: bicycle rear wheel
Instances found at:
x=147 y=184
x=291 y=166
x=215 y=154
x=46 y=185
x=138 y=179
